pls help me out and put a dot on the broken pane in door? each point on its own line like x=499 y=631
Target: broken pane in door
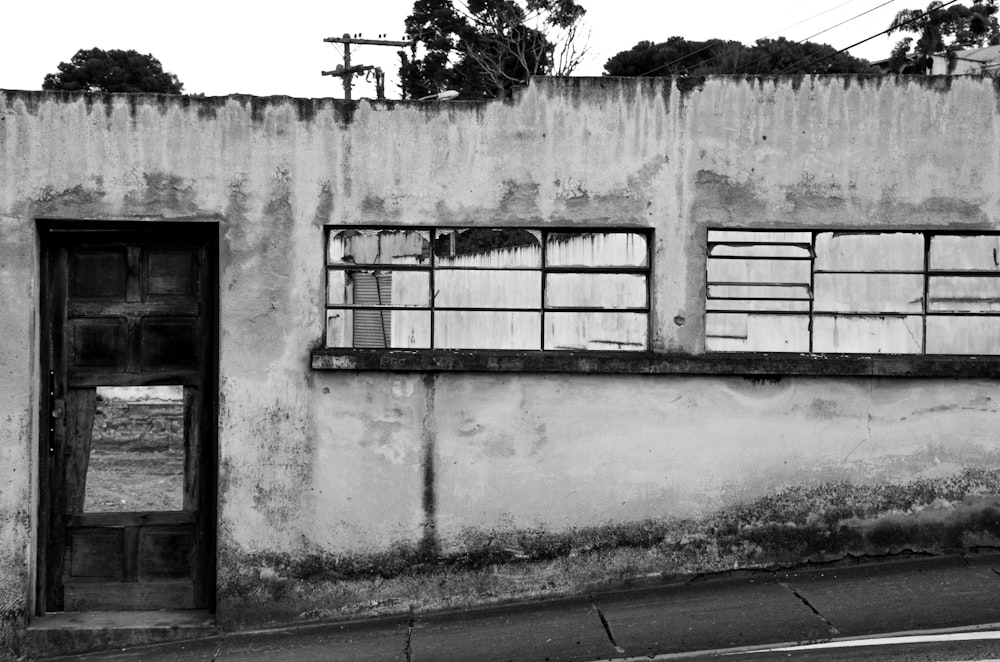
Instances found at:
x=137 y=450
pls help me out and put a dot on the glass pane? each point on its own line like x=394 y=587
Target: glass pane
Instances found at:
x=585 y=290
x=493 y=248
x=596 y=249
x=467 y=329
x=869 y=293
x=488 y=289
x=596 y=331
x=378 y=288
x=864 y=335
x=137 y=450
x=892 y=251
x=388 y=246
x=399 y=329
x=736 y=332
x=965 y=253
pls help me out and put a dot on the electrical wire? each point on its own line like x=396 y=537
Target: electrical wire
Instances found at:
x=813 y=36
x=708 y=46
x=811 y=62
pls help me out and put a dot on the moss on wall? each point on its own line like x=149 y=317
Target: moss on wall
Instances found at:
x=824 y=522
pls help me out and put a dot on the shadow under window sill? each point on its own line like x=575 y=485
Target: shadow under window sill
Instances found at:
x=653 y=363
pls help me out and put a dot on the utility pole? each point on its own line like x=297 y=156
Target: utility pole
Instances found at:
x=346 y=71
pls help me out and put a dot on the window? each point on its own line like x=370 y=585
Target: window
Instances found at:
x=487 y=288
x=853 y=292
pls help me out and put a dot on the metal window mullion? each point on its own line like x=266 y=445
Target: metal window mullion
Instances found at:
x=926 y=301
x=433 y=292
x=812 y=289
x=545 y=279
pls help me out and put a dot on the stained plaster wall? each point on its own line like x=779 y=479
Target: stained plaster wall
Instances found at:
x=327 y=476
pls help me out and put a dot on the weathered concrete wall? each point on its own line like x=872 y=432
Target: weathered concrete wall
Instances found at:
x=342 y=492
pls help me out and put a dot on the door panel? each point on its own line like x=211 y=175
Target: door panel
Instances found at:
x=128 y=309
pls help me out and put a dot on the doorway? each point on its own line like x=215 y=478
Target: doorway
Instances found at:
x=128 y=459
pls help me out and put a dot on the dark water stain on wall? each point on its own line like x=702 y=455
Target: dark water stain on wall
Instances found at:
x=822 y=522
x=163 y=194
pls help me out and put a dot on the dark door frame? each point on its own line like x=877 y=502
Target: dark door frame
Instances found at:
x=52 y=232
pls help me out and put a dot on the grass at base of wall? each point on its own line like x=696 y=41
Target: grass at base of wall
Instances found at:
x=815 y=523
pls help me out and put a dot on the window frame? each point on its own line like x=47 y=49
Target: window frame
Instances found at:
x=544 y=269
x=812 y=313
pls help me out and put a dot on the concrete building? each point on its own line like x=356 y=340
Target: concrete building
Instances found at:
x=441 y=354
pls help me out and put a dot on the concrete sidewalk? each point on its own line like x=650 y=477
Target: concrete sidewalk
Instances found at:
x=739 y=610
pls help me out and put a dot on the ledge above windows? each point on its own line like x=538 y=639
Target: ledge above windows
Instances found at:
x=752 y=365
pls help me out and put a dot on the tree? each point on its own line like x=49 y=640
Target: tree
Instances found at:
x=943 y=31
x=679 y=57
x=483 y=48
x=97 y=70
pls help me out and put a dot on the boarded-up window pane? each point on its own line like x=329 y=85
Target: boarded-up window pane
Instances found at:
x=596 y=249
x=596 y=331
x=733 y=332
x=474 y=329
x=488 y=248
x=378 y=288
x=759 y=250
x=759 y=236
x=758 y=271
x=864 y=335
x=895 y=251
x=764 y=305
x=759 y=291
x=963 y=335
x=973 y=294
x=965 y=253
x=488 y=289
x=401 y=329
x=869 y=293
x=379 y=247
x=585 y=290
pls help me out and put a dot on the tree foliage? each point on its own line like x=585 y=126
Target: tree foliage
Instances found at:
x=680 y=57
x=483 y=48
x=943 y=30
x=97 y=70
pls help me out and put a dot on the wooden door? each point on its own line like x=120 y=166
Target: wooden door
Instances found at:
x=128 y=468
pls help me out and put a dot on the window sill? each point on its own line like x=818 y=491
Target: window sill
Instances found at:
x=398 y=360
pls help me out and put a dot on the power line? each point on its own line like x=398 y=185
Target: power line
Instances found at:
x=806 y=20
x=889 y=2
x=708 y=46
x=763 y=56
x=812 y=62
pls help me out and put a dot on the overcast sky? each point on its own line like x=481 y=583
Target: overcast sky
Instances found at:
x=220 y=47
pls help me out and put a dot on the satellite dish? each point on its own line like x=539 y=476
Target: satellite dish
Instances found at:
x=447 y=95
